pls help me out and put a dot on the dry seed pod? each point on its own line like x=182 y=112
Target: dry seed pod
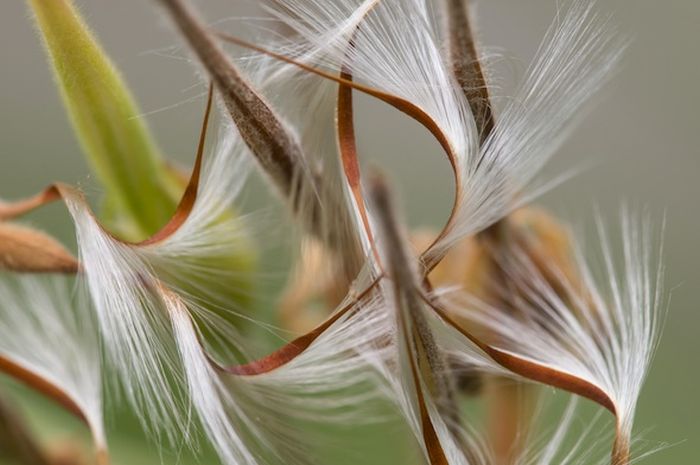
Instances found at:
x=27 y=250
x=475 y=265
x=313 y=280
x=313 y=288
x=470 y=265
x=67 y=452
x=549 y=244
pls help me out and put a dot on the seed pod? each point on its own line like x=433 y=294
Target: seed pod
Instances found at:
x=27 y=250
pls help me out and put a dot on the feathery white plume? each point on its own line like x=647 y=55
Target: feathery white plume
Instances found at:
x=46 y=327
x=417 y=373
x=208 y=393
x=148 y=325
x=418 y=376
x=277 y=145
x=122 y=277
x=296 y=94
x=396 y=48
x=558 y=447
x=253 y=418
x=412 y=386
x=603 y=330
x=578 y=54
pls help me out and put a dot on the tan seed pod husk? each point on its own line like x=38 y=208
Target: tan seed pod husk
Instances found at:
x=25 y=249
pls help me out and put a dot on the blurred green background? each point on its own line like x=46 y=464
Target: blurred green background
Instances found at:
x=640 y=143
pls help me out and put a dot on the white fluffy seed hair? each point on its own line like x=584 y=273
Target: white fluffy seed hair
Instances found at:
x=400 y=383
x=307 y=106
x=419 y=336
x=299 y=95
x=604 y=330
x=340 y=359
x=213 y=229
x=254 y=419
x=147 y=322
x=46 y=327
x=121 y=278
x=397 y=48
x=578 y=54
x=565 y=444
x=553 y=447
